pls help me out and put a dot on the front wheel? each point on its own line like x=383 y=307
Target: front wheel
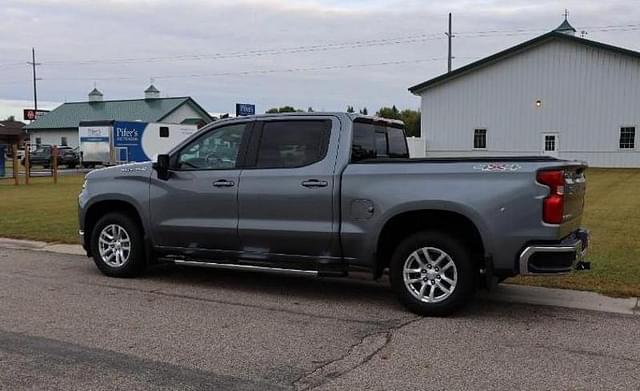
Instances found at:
x=432 y=273
x=117 y=246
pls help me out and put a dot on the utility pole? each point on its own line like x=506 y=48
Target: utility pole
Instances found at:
x=449 y=35
x=33 y=64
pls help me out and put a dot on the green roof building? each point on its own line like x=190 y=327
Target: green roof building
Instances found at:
x=60 y=126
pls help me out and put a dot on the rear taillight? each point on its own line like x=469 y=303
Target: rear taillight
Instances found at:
x=553 y=204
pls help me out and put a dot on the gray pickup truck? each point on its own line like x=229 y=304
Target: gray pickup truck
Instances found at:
x=323 y=194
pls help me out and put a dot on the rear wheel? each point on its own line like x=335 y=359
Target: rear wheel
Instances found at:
x=432 y=273
x=117 y=246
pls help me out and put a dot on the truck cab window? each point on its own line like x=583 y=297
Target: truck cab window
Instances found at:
x=381 y=144
x=293 y=143
x=215 y=150
x=373 y=140
x=397 y=143
x=363 y=145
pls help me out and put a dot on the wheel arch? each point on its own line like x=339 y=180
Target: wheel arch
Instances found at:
x=401 y=225
x=100 y=208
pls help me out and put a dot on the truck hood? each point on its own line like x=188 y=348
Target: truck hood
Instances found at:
x=142 y=169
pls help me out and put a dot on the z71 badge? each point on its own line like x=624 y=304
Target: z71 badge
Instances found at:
x=498 y=167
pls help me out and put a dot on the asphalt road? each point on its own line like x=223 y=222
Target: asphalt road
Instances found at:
x=65 y=326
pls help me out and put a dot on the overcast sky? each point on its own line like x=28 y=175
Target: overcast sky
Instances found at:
x=201 y=48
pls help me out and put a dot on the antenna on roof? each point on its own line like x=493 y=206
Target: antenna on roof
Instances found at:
x=566 y=14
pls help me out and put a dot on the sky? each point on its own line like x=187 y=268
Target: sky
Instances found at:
x=325 y=54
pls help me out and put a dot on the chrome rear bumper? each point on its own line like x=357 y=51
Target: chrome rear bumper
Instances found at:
x=557 y=258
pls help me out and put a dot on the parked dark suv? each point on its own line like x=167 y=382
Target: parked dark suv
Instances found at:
x=42 y=156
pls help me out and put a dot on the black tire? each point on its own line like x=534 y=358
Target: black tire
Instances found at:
x=457 y=252
x=135 y=263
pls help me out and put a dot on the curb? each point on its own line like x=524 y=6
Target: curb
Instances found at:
x=18 y=244
x=566 y=298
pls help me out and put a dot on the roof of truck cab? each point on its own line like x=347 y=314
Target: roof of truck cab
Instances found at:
x=352 y=116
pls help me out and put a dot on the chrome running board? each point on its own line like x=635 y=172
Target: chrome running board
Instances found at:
x=234 y=266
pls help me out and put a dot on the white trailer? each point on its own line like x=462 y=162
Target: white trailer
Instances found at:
x=118 y=142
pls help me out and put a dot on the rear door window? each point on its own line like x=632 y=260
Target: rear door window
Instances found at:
x=293 y=143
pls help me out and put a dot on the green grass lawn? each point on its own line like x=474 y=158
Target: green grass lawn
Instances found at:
x=612 y=214
x=44 y=211
x=41 y=210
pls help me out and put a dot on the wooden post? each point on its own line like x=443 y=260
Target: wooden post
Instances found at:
x=54 y=165
x=27 y=163
x=16 y=167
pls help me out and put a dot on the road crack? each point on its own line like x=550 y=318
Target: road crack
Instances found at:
x=357 y=355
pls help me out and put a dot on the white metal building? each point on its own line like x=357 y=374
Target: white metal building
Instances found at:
x=556 y=94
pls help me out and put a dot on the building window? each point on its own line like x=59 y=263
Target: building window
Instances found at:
x=550 y=143
x=627 y=137
x=63 y=141
x=480 y=139
x=164 y=131
x=38 y=140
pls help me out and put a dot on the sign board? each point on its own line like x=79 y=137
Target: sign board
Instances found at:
x=243 y=109
x=32 y=115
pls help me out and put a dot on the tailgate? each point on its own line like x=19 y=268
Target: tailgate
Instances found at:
x=574 y=192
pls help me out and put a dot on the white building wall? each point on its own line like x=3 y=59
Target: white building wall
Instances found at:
x=54 y=137
x=416 y=147
x=180 y=114
x=587 y=94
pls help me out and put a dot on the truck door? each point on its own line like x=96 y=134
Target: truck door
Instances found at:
x=197 y=206
x=287 y=193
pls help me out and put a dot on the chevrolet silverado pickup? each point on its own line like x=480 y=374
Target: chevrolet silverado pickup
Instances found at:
x=323 y=194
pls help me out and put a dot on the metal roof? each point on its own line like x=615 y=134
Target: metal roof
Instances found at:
x=564 y=27
x=95 y=92
x=68 y=115
x=553 y=35
x=151 y=88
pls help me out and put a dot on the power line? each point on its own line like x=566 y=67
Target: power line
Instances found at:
x=259 y=71
x=321 y=47
x=257 y=52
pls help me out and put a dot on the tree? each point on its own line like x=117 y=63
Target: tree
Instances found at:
x=350 y=109
x=389 y=112
x=310 y=109
x=411 y=118
x=364 y=111
x=283 y=109
x=11 y=118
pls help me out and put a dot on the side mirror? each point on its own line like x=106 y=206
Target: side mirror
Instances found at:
x=162 y=167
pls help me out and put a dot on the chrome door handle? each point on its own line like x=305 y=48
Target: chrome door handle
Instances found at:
x=314 y=183
x=223 y=183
